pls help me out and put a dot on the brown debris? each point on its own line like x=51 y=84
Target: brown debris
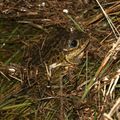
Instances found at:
x=52 y=83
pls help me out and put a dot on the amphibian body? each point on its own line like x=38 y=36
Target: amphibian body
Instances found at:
x=60 y=49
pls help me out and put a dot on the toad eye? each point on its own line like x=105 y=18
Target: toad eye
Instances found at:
x=73 y=43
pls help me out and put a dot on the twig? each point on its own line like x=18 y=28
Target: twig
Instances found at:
x=112 y=111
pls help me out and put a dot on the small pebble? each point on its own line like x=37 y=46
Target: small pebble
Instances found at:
x=12 y=70
x=43 y=4
x=65 y=11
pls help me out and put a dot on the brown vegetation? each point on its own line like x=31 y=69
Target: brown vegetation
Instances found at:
x=59 y=60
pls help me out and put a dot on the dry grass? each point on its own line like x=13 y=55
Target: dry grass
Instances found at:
x=88 y=91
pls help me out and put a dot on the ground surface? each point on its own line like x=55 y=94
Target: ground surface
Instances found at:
x=35 y=32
